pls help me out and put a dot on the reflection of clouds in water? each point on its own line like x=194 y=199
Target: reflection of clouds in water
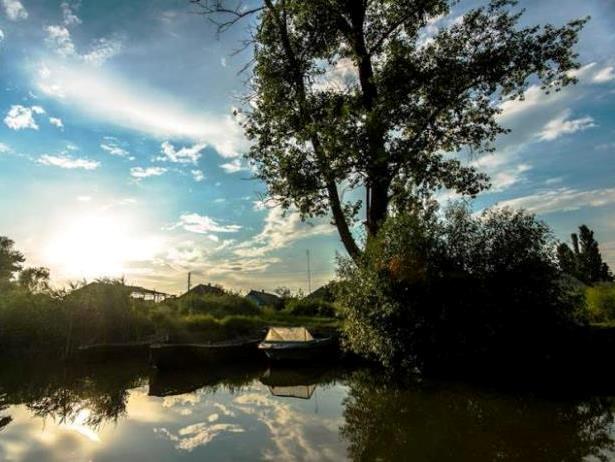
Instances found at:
x=295 y=435
x=45 y=440
x=199 y=434
x=188 y=399
x=224 y=410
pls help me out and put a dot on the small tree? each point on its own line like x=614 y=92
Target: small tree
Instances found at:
x=585 y=260
x=10 y=260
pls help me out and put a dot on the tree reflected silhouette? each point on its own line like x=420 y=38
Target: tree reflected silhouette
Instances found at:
x=386 y=422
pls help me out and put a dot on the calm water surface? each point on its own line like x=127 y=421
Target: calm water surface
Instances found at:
x=127 y=412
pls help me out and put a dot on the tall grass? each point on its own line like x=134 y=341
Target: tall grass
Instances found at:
x=600 y=300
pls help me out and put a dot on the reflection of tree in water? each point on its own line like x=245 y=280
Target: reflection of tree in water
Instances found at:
x=63 y=393
x=384 y=422
x=4 y=419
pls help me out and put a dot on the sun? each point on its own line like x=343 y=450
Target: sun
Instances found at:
x=91 y=245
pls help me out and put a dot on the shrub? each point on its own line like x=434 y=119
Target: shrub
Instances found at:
x=310 y=307
x=601 y=302
x=217 y=306
x=435 y=290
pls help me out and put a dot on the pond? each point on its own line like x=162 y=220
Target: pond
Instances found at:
x=128 y=412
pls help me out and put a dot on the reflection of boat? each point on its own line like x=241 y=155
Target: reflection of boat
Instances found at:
x=174 y=355
x=298 y=391
x=292 y=383
x=188 y=380
x=295 y=344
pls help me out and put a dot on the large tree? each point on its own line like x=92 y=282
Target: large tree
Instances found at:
x=413 y=98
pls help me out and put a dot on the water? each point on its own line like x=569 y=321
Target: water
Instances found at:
x=127 y=412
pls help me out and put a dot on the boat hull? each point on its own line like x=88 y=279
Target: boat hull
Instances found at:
x=170 y=356
x=317 y=349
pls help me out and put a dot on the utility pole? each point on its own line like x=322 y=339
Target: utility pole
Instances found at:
x=309 y=273
x=189 y=274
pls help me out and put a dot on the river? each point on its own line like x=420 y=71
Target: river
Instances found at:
x=128 y=412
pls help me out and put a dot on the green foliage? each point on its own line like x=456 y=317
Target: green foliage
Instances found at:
x=309 y=307
x=601 y=302
x=433 y=290
x=217 y=306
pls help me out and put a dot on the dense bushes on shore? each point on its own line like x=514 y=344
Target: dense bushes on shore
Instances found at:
x=435 y=290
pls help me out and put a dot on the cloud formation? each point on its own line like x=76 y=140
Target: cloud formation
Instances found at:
x=21 y=117
x=14 y=10
x=184 y=155
x=134 y=106
x=146 y=172
x=64 y=161
x=202 y=224
x=562 y=200
x=562 y=125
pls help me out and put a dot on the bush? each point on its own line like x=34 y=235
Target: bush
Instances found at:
x=601 y=302
x=217 y=306
x=434 y=290
x=308 y=307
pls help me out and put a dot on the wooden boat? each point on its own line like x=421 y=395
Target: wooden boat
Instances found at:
x=296 y=344
x=177 y=355
x=105 y=351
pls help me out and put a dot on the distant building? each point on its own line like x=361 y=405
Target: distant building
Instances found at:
x=204 y=289
x=325 y=293
x=263 y=299
x=134 y=291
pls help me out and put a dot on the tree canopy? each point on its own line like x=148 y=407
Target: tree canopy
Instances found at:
x=363 y=95
x=10 y=259
x=584 y=260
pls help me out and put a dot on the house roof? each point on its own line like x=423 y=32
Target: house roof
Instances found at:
x=204 y=289
x=264 y=298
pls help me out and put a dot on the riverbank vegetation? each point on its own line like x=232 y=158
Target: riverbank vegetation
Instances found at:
x=440 y=289
x=36 y=318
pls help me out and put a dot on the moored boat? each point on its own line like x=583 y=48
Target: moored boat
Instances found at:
x=176 y=355
x=296 y=344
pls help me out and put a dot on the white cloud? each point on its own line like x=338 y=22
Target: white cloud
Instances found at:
x=59 y=39
x=198 y=175
x=340 y=77
x=233 y=166
x=183 y=155
x=64 y=161
x=84 y=198
x=1 y=36
x=14 y=10
x=4 y=148
x=21 y=117
x=56 y=121
x=68 y=13
x=102 y=50
x=140 y=172
x=203 y=224
x=280 y=230
x=111 y=146
x=562 y=199
x=135 y=106
x=561 y=125
x=509 y=176
x=199 y=434
x=604 y=75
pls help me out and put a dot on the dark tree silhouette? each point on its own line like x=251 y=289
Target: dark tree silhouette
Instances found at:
x=10 y=259
x=408 y=97
x=584 y=261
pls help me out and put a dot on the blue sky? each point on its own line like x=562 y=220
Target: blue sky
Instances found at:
x=119 y=154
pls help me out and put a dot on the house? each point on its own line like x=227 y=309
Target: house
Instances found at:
x=204 y=289
x=263 y=299
x=98 y=287
x=325 y=293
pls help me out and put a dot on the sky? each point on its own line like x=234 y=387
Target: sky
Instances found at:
x=120 y=155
